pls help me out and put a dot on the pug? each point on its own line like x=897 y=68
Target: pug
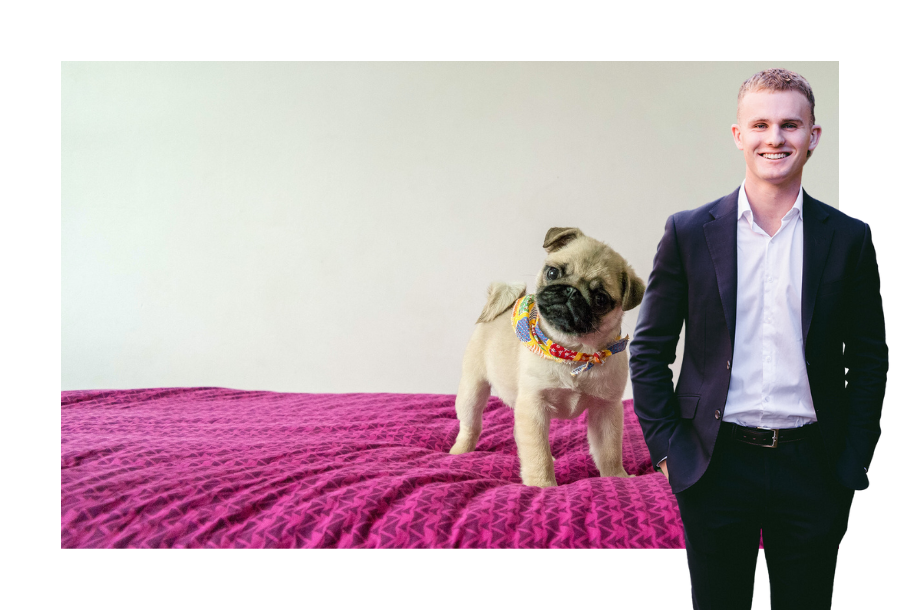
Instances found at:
x=554 y=354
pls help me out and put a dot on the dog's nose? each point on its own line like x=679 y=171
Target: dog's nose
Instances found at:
x=570 y=291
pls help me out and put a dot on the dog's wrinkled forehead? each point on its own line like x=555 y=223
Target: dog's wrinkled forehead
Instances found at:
x=590 y=263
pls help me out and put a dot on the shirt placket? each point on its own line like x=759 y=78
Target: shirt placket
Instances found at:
x=769 y=279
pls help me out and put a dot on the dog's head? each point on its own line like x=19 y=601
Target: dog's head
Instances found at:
x=584 y=285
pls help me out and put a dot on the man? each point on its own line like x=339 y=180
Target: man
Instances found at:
x=764 y=432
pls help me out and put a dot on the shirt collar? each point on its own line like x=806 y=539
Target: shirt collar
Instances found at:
x=744 y=205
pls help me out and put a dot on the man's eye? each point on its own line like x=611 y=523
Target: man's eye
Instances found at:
x=760 y=126
x=789 y=125
x=553 y=273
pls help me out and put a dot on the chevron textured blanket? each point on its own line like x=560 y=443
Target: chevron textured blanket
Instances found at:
x=212 y=467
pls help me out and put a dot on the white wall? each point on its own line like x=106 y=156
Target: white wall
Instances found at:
x=333 y=227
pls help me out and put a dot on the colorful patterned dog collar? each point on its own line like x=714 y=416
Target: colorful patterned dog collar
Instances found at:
x=525 y=321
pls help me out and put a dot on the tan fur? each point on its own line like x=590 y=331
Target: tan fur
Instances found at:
x=539 y=389
x=501 y=297
x=557 y=237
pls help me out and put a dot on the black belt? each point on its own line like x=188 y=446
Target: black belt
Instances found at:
x=763 y=437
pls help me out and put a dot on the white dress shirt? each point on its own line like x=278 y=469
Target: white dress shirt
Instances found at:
x=769 y=385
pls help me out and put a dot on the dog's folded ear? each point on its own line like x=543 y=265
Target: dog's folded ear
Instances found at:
x=632 y=289
x=557 y=237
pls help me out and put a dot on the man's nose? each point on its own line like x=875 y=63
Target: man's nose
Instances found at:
x=775 y=137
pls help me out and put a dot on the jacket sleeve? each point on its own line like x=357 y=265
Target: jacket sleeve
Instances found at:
x=652 y=350
x=866 y=362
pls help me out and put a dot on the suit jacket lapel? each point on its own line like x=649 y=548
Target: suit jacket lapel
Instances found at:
x=721 y=239
x=817 y=236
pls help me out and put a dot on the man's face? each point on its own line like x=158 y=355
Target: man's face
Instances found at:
x=775 y=131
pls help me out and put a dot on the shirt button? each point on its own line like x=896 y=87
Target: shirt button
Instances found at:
x=728 y=365
x=718 y=414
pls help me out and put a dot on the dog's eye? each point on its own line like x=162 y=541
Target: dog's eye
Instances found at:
x=553 y=273
x=601 y=299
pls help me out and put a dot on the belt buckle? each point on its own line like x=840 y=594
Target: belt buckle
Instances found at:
x=774 y=438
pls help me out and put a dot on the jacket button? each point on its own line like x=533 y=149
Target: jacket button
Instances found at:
x=728 y=364
x=718 y=414
x=808 y=363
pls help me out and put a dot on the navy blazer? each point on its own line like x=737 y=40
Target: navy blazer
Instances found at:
x=694 y=283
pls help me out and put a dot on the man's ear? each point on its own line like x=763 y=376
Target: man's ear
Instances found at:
x=815 y=134
x=558 y=237
x=632 y=289
x=736 y=134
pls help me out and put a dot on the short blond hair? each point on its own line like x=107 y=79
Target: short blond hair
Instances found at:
x=779 y=79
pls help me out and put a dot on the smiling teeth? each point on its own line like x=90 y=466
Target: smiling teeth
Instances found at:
x=774 y=155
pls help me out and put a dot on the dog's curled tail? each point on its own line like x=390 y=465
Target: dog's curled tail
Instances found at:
x=501 y=296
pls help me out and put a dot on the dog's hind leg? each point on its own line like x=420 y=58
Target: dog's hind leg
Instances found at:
x=471 y=398
x=605 y=424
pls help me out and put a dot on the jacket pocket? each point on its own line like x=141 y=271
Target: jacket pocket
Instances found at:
x=687 y=405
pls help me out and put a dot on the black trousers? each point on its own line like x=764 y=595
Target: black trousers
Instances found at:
x=791 y=495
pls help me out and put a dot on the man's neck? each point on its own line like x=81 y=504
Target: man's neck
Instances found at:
x=770 y=202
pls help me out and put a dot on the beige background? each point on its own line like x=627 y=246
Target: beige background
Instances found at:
x=333 y=227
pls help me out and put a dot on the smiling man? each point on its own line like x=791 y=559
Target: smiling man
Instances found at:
x=775 y=417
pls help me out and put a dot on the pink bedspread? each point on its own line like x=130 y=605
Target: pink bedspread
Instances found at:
x=212 y=467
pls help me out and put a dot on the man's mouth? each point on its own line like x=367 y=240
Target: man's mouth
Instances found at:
x=774 y=155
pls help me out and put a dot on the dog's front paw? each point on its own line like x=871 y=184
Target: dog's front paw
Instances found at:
x=459 y=448
x=533 y=481
x=465 y=440
x=616 y=472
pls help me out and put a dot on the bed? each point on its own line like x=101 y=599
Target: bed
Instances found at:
x=215 y=467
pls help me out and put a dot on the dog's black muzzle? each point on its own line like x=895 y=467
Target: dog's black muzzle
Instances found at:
x=565 y=308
